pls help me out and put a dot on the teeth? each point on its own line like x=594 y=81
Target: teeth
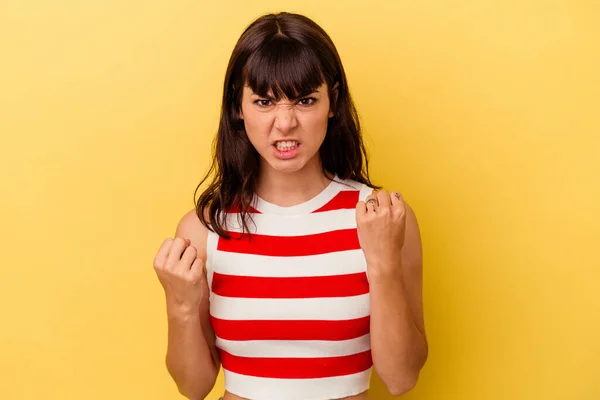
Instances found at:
x=286 y=145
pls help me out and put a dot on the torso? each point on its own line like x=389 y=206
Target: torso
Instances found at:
x=289 y=304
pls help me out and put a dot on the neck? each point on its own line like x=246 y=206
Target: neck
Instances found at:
x=288 y=189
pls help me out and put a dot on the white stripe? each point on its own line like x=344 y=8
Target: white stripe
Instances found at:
x=295 y=225
x=338 y=263
x=332 y=308
x=364 y=192
x=297 y=389
x=295 y=348
x=212 y=240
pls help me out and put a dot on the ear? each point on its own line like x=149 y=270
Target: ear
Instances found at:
x=333 y=100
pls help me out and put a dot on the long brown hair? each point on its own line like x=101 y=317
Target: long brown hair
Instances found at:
x=289 y=55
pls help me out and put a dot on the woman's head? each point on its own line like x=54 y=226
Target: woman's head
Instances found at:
x=285 y=106
x=286 y=74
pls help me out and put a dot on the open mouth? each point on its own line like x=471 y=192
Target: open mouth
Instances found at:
x=287 y=145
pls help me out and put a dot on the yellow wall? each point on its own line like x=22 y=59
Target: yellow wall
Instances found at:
x=485 y=114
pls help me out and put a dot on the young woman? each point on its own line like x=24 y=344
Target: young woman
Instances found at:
x=292 y=273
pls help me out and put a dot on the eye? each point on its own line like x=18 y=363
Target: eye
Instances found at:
x=263 y=103
x=307 y=101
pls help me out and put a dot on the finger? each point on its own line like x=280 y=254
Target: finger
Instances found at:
x=361 y=209
x=176 y=251
x=199 y=270
x=371 y=205
x=371 y=202
x=188 y=257
x=397 y=199
x=197 y=267
x=163 y=252
x=383 y=199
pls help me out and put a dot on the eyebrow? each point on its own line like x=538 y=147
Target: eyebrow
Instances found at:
x=298 y=98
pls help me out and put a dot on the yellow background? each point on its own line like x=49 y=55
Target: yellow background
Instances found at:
x=485 y=114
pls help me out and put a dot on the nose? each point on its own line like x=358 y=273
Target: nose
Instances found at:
x=285 y=118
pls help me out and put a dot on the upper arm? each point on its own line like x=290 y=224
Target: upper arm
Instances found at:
x=191 y=228
x=412 y=267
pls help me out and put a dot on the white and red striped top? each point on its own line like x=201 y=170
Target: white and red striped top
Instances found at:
x=289 y=304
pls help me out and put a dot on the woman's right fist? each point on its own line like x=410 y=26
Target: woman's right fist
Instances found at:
x=181 y=274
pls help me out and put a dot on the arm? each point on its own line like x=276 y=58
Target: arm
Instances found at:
x=192 y=359
x=398 y=341
x=389 y=237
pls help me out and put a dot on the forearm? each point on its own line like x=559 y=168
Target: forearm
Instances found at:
x=399 y=349
x=189 y=359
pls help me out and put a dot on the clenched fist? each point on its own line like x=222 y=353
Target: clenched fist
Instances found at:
x=381 y=223
x=181 y=273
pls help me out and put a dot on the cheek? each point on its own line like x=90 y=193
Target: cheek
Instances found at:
x=253 y=121
x=257 y=127
x=317 y=126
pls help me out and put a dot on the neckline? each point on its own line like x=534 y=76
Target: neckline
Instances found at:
x=306 y=207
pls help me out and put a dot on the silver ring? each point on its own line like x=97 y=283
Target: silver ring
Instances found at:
x=373 y=200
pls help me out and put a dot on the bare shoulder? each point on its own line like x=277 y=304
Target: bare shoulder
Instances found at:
x=190 y=227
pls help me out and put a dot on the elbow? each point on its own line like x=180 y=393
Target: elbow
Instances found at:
x=403 y=378
x=399 y=387
x=192 y=394
x=192 y=388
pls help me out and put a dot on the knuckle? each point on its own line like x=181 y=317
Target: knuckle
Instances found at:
x=197 y=274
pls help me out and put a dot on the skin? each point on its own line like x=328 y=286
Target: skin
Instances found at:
x=288 y=182
x=388 y=233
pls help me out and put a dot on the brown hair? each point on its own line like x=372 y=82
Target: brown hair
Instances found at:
x=290 y=55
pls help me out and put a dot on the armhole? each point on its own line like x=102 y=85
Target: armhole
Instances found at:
x=212 y=239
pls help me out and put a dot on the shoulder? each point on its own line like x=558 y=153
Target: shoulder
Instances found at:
x=190 y=227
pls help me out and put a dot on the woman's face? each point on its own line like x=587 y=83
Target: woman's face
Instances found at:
x=288 y=133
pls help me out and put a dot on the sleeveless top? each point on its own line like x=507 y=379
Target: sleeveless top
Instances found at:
x=289 y=303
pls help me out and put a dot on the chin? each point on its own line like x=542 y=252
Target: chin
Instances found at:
x=287 y=169
x=287 y=166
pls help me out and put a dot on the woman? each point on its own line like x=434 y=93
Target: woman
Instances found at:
x=292 y=273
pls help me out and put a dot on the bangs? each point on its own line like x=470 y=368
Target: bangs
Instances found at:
x=283 y=68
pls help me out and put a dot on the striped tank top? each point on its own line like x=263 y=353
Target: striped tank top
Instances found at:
x=289 y=304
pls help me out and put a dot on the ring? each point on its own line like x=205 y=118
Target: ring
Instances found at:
x=374 y=201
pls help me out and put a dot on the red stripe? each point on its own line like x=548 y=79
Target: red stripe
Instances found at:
x=282 y=246
x=297 y=368
x=343 y=200
x=290 y=330
x=235 y=209
x=290 y=288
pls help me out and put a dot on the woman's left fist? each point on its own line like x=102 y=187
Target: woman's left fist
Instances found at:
x=381 y=223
